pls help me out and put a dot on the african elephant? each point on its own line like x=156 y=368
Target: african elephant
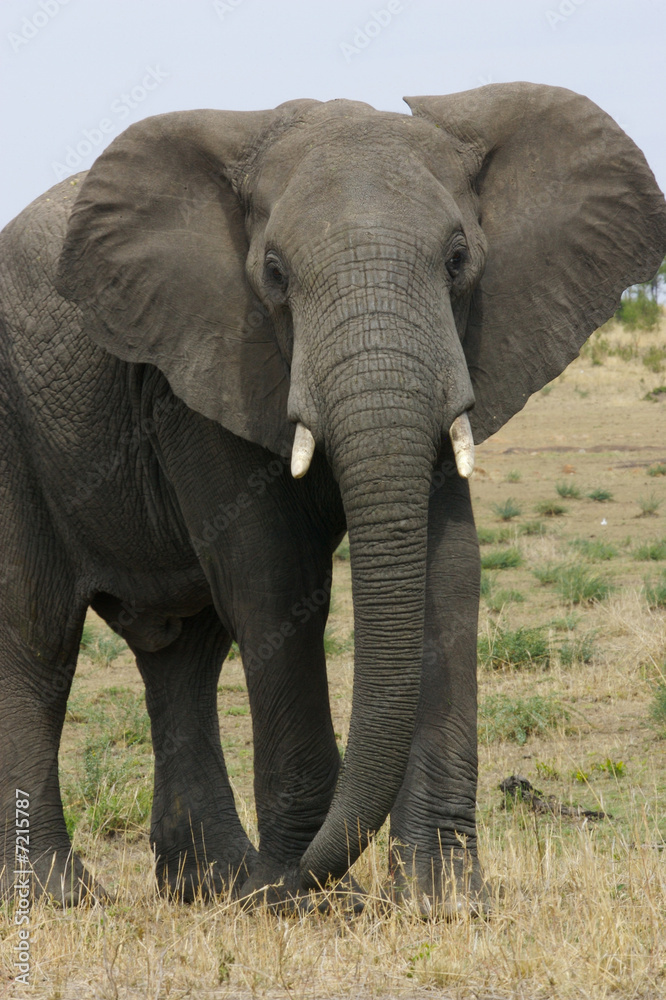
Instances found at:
x=353 y=292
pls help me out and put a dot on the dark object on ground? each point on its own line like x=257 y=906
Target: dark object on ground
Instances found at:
x=519 y=789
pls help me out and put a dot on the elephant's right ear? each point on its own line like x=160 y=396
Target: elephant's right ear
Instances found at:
x=155 y=257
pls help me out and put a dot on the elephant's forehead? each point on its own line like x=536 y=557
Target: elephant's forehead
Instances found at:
x=365 y=153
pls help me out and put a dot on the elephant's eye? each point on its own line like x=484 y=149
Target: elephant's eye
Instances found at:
x=275 y=271
x=455 y=261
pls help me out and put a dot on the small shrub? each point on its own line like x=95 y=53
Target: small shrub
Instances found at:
x=594 y=549
x=568 y=490
x=487 y=583
x=655 y=551
x=616 y=768
x=576 y=650
x=654 y=358
x=546 y=771
x=237 y=710
x=514 y=476
x=547 y=574
x=501 y=559
x=499 y=598
x=550 y=508
x=577 y=585
x=114 y=791
x=102 y=647
x=532 y=528
x=655 y=593
x=507 y=510
x=654 y=395
x=514 y=649
x=638 y=312
x=515 y=719
x=486 y=536
x=657 y=470
x=649 y=505
x=600 y=495
x=626 y=352
x=596 y=348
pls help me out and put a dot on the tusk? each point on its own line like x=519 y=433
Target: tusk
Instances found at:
x=302 y=452
x=463 y=445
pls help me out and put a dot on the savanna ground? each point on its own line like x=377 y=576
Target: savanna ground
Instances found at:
x=570 y=500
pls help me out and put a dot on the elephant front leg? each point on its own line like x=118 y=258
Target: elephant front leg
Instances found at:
x=198 y=838
x=433 y=824
x=296 y=758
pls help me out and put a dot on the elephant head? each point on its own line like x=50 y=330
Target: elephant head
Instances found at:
x=373 y=279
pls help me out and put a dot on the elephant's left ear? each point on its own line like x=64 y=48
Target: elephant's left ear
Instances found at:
x=572 y=215
x=155 y=256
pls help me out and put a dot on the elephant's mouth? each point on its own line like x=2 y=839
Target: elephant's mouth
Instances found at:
x=460 y=433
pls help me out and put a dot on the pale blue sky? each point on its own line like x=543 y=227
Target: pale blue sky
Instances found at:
x=75 y=74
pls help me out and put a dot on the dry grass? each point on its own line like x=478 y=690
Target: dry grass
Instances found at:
x=578 y=906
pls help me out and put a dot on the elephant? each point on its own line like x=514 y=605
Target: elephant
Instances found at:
x=238 y=336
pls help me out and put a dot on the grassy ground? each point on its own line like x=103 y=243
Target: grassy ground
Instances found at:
x=572 y=665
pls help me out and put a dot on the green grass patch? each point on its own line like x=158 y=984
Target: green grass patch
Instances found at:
x=654 y=395
x=335 y=646
x=655 y=592
x=600 y=494
x=507 y=510
x=486 y=536
x=547 y=574
x=509 y=558
x=518 y=649
x=498 y=599
x=532 y=528
x=576 y=649
x=487 y=583
x=649 y=505
x=568 y=490
x=654 y=358
x=102 y=646
x=594 y=549
x=514 y=476
x=550 y=508
x=577 y=585
x=659 y=469
x=655 y=551
x=516 y=719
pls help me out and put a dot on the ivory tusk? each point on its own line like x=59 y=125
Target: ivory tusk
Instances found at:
x=463 y=445
x=302 y=452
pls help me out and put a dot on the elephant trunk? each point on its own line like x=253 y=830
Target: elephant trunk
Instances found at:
x=382 y=442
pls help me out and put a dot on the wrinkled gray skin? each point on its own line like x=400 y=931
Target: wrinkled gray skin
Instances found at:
x=166 y=319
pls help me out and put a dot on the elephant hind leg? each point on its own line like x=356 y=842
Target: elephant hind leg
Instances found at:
x=39 y=639
x=200 y=844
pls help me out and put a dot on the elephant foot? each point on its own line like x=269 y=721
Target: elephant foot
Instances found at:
x=451 y=890
x=59 y=876
x=186 y=881
x=282 y=894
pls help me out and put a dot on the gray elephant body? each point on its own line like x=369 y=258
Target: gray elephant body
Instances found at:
x=220 y=277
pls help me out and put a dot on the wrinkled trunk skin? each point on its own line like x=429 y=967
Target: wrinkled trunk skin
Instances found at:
x=385 y=493
x=378 y=388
